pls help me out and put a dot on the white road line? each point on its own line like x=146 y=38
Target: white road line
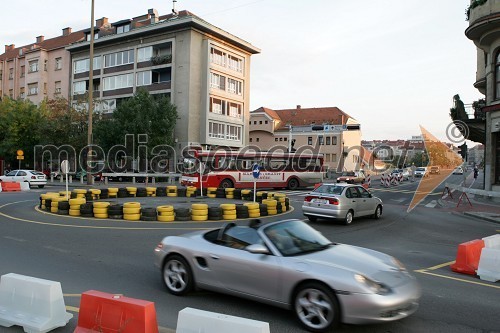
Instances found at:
x=431 y=204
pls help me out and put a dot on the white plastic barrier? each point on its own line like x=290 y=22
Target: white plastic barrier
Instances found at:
x=489 y=265
x=193 y=321
x=35 y=304
x=492 y=242
x=25 y=186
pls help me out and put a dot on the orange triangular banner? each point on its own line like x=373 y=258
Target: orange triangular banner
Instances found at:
x=442 y=161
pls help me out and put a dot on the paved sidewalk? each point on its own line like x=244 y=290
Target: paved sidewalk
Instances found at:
x=473 y=205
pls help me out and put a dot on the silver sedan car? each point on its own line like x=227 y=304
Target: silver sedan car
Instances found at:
x=341 y=201
x=290 y=265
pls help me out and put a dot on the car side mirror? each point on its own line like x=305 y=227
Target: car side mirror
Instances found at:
x=370 y=195
x=257 y=249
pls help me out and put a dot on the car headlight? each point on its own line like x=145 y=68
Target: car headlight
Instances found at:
x=376 y=287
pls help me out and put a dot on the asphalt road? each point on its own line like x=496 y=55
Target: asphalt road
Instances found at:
x=117 y=257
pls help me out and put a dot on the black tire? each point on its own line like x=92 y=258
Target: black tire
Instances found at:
x=41 y=186
x=349 y=217
x=183 y=218
x=378 y=212
x=177 y=275
x=87 y=215
x=115 y=217
x=148 y=218
x=63 y=205
x=182 y=212
x=320 y=299
x=62 y=212
x=293 y=184
x=312 y=218
x=226 y=183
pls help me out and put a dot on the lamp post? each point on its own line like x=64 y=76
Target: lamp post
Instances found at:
x=290 y=137
x=90 y=178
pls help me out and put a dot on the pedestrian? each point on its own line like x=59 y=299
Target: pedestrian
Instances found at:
x=412 y=171
x=476 y=172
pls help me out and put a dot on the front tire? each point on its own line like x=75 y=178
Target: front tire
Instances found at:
x=316 y=307
x=312 y=218
x=378 y=212
x=41 y=186
x=177 y=275
x=293 y=184
x=349 y=217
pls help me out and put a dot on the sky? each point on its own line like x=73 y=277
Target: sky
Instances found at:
x=392 y=65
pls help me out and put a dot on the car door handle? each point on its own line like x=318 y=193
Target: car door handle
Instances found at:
x=216 y=257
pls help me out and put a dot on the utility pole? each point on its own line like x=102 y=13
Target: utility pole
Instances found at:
x=90 y=178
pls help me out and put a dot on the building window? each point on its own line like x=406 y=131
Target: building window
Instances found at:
x=58 y=65
x=81 y=66
x=11 y=73
x=255 y=122
x=23 y=71
x=144 y=53
x=327 y=157
x=320 y=140
x=216 y=130
x=233 y=133
x=276 y=139
x=57 y=88
x=334 y=157
x=334 y=140
x=22 y=93
x=217 y=57
x=328 y=140
x=143 y=78
x=309 y=140
x=266 y=122
x=234 y=86
x=11 y=93
x=250 y=139
x=79 y=87
x=45 y=87
x=217 y=106
x=217 y=81
x=258 y=139
x=32 y=89
x=45 y=65
x=260 y=122
x=285 y=139
x=118 y=82
x=235 y=64
x=33 y=66
x=87 y=36
x=235 y=110
x=119 y=58
x=122 y=28
x=497 y=74
x=281 y=139
x=1 y=74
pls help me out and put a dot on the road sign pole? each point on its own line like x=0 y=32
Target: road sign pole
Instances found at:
x=255 y=174
x=254 y=188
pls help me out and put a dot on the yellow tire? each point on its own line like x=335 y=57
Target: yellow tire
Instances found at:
x=100 y=211
x=132 y=204
x=171 y=194
x=254 y=211
x=95 y=191
x=228 y=206
x=165 y=208
x=74 y=207
x=229 y=212
x=166 y=214
x=101 y=216
x=80 y=190
x=77 y=201
x=133 y=210
x=53 y=209
x=80 y=196
x=272 y=211
x=200 y=217
x=63 y=193
x=270 y=203
x=253 y=215
x=131 y=189
x=229 y=217
x=229 y=189
x=150 y=189
x=131 y=217
x=166 y=218
x=199 y=206
x=251 y=205
x=112 y=190
x=245 y=191
x=74 y=212
x=210 y=195
x=101 y=204
x=199 y=212
x=212 y=189
x=229 y=196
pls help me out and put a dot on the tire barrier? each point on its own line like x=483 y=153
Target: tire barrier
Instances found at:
x=194 y=320
x=468 y=255
x=171 y=191
x=96 y=193
x=132 y=211
x=211 y=192
x=82 y=204
x=131 y=191
x=100 y=209
x=103 y=312
x=104 y=194
x=35 y=304
x=199 y=212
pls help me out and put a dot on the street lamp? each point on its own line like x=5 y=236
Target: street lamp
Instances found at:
x=90 y=178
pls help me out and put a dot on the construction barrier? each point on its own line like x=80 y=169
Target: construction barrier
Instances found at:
x=10 y=186
x=25 y=186
x=468 y=255
x=35 y=304
x=103 y=312
x=368 y=180
x=489 y=262
x=193 y=320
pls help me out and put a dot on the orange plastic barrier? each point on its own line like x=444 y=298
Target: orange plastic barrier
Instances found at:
x=108 y=313
x=468 y=255
x=10 y=186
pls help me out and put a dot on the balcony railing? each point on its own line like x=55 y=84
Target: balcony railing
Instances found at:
x=161 y=59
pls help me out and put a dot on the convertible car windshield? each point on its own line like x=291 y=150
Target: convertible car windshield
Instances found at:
x=296 y=238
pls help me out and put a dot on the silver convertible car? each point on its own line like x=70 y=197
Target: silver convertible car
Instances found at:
x=290 y=265
x=341 y=201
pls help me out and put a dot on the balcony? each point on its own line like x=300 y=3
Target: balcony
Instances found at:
x=471 y=121
x=161 y=59
x=484 y=18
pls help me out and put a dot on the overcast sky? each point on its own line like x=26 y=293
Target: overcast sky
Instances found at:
x=392 y=65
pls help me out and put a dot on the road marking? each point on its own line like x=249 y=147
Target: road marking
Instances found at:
x=431 y=204
x=14 y=238
x=433 y=268
x=72 y=309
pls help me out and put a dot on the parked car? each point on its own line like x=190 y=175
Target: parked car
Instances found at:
x=352 y=177
x=403 y=172
x=434 y=170
x=34 y=178
x=83 y=173
x=341 y=201
x=421 y=172
x=290 y=265
x=458 y=171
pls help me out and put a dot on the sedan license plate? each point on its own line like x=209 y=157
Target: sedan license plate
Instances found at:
x=41 y=177
x=320 y=201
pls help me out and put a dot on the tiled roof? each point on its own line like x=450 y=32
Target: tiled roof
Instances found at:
x=307 y=116
x=48 y=44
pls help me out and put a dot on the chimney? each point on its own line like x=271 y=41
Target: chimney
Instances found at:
x=298 y=107
x=101 y=22
x=153 y=13
x=66 y=31
x=40 y=39
x=9 y=47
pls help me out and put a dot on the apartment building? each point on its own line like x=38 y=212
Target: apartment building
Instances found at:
x=38 y=70
x=328 y=131
x=203 y=69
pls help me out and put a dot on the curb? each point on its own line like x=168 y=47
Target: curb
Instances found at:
x=484 y=216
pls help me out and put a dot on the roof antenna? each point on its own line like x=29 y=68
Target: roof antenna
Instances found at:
x=174 y=11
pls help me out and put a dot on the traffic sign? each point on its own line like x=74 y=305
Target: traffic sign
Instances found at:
x=256 y=171
x=64 y=167
x=19 y=152
x=20 y=157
